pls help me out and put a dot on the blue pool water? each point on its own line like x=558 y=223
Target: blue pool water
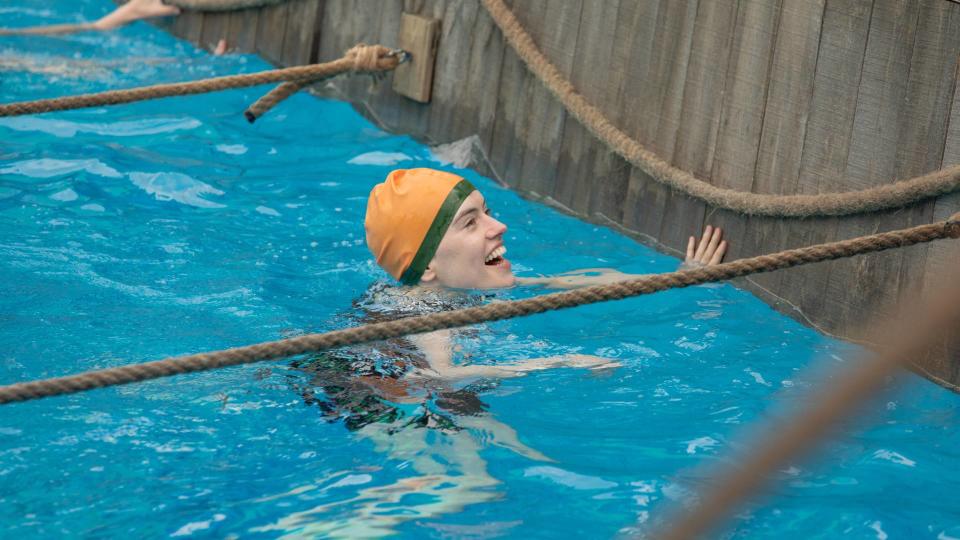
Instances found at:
x=162 y=228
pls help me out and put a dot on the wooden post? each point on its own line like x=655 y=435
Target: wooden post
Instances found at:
x=419 y=37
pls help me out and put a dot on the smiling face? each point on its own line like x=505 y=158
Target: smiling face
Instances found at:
x=470 y=255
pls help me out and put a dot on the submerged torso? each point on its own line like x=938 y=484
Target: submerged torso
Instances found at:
x=366 y=383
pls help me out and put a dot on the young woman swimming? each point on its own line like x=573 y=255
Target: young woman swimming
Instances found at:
x=432 y=231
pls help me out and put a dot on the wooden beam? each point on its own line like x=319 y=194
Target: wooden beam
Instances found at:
x=419 y=37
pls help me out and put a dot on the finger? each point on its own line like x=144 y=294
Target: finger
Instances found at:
x=712 y=246
x=704 y=241
x=691 y=248
x=721 y=251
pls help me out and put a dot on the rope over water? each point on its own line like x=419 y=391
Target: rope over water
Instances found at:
x=463 y=317
x=893 y=195
x=359 y=59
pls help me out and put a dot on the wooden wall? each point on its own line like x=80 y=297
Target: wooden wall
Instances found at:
x=773 y=96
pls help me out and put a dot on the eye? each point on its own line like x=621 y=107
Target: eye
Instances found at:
x=486 y=211
x=470 y=223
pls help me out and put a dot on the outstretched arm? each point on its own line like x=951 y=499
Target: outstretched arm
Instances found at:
x=133 y=10
x=439 y=354
x=709 y=250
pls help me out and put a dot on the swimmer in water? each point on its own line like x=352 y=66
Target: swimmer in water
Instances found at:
x=432 y=231
x=134 y=10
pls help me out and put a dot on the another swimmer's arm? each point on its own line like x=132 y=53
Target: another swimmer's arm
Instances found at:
x=439 y=354
x=709 y=250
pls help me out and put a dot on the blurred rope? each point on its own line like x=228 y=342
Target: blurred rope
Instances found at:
x=904 y=339
x=491 y=312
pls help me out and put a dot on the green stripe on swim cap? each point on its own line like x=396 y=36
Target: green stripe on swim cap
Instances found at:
x=441 y=222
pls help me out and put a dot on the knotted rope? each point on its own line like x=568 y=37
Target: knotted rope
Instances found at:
x=362 y=56
x=462 y=317
x=896 y=194
x=359 y=59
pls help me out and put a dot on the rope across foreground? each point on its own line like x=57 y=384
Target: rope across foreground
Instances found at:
x=893 y=195
x=359 y=59
x=492 y=312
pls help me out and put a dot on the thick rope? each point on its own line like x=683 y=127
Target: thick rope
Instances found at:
x=272 y=98
x=287 y=89
x=463 y=317
x=359 y=59
x=906 y=339
x=893 y=195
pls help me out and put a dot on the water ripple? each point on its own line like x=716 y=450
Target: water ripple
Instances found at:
x=124 y=128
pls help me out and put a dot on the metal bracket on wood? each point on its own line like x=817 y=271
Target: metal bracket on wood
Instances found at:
x=419 y=37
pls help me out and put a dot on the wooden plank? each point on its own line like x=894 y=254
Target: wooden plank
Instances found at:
x=859 y=286
x=188 y=25
x=644 y=198
x=696 y=138
x=242 y=30
x=270 y=32
x=610 y=197
x=467 y=75
x=741 y=117
x=826 y=144
x=558 y=36
x=304 y=21
x=682 y=215
x=924 y=124
x=577 y=175
x=484 y=56
x=788 y=97
x=503 y=136
x=419 y=37
x=513 y=107
x=943 y=257
x=214 y=29
x=787 y=107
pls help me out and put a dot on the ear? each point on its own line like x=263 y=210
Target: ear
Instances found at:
x=429 y=275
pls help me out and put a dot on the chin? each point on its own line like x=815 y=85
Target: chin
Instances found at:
x=501 y=281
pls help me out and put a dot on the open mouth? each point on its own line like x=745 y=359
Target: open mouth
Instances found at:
x=495 y=257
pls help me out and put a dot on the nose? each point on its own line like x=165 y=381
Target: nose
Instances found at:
x=495 y=228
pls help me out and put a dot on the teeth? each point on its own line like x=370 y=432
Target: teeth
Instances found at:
x=499 y=252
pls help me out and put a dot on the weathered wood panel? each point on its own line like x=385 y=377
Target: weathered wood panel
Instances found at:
x=923 y=125
x=866 y=281
x=242 y=30
x=675 y=34
x=215 y=26
x=741 y=116
x=271 y=31
x=188 y=25
x=545 y=119
x=826 y=145
x=785 y=114
x=640 y=207
x=304 y=21
x=579 y=173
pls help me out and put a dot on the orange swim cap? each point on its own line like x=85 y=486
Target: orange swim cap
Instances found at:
x=407 y=216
